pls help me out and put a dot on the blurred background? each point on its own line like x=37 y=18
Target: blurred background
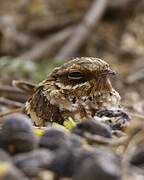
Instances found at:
x=38 y=35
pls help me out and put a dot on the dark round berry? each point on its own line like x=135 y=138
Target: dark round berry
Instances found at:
x=63 y=162
x=97 y=164
x=75 y=141
x=32 y=163
x=17 y=134
x=137 y=158
x=53 y=139
x=93 y=127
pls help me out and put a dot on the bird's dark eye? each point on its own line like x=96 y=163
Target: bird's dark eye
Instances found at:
x=75 y=75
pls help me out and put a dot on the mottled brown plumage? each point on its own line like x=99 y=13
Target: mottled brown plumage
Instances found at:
x=78 y=89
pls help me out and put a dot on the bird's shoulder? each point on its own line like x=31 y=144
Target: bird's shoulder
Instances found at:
x=40 y=108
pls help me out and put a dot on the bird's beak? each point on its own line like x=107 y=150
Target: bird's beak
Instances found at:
x=111 y=72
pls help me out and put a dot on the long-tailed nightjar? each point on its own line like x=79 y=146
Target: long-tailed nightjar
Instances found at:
x=80 y=89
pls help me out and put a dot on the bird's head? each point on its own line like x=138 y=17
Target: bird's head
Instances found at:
x=84 y=75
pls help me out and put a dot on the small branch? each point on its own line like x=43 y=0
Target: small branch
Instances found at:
x=83 y=31
x=10 y=103
x=13 y=93
x=97 y=139
x=10 y=89
x=2 y=115
x=45 y=47
x=135 y=76
x=137 y=115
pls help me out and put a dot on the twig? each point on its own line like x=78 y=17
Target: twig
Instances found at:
x=137 y=115
x=11 y=112
x=135 y=140
x=10 y=103
x=45 y=47
x=125 y=140
x=135 y=76
x=92 y=139
x=9 y=89
x=83 y=31
x=13 y=93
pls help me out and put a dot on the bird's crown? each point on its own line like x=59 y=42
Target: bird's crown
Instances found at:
x=80 y=70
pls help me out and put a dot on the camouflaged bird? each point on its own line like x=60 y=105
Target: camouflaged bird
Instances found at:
x=79 y=89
